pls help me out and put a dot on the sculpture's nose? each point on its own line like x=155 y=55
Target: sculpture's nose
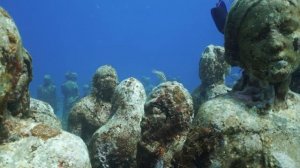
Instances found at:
x=276 y=41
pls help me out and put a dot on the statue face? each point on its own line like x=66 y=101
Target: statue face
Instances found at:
x=108 y=82
x=268 y=38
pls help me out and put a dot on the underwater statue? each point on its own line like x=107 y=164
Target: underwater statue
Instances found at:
x=93 y=111
x=115 y=143
x=258 y=123
x=168 y=115
x=212 y=71
x=70 y=91
x=43 y=112
x=47 y=92
x=24 y=142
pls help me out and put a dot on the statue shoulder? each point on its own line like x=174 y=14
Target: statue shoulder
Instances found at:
x=222 y=112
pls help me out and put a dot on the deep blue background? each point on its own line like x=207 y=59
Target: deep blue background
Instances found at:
x=134 y=36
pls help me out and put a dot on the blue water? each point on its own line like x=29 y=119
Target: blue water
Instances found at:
x=134 y=36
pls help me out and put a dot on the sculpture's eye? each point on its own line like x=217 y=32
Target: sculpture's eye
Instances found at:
x=287 y=27
x=262 y=33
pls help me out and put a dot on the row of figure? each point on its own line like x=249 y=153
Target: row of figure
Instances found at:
x=111 y=119
x=47 y=92
x=256 y=124
x=111 y=128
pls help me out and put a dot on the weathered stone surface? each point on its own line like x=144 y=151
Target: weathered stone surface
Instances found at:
x=87 y=116
x=37 y=145
x=105 y=81
x=212 y=71
x=24 y=143
x=227 y=133
x=114 y=144
x=93 y=111
x=42 y=112
x=15 y=71
x=168 y=114
x=257 y=124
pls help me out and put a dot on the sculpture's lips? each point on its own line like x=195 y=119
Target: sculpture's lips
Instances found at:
x=280 y=63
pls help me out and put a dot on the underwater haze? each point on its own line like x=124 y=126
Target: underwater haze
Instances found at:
x=134 y=36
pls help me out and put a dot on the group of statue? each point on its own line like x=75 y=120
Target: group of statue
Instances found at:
x=253 y=124
x=47 y=92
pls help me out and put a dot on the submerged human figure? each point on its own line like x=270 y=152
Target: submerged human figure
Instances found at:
x=212 y=71
x=93 y=111
x=23 y=141
x=70 y=91
x=258 y=123
x=47 y=92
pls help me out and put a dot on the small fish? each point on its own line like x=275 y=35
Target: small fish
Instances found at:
x=219 y=14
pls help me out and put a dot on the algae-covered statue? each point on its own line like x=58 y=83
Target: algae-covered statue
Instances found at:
x=258 y=123
x=23 y=142
x=115 y=143
x=212 y=71
x=93 y=111
x=168 y=115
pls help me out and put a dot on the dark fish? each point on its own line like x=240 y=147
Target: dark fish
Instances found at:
x=219 y=14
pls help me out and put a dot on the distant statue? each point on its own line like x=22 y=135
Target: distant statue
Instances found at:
x=93 y=111
x=212 y=71
x=47 y=92
x=27 y=141
x=70 y=91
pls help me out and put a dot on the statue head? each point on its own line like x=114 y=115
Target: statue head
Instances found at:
x=105 y=81
x=47 y=80
x=15 y=69
x=72 y=76
x=262 y=36
x=212 y=66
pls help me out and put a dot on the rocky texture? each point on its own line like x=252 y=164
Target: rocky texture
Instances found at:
x=87 y=116
x=168 y=114
x=24 y=143
x=228 y=133
x=15 y=69
x=93 y=111
x=114 y=144
x=38 y=145
x=42 y=112
x=257 y=124
x=212 y=71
